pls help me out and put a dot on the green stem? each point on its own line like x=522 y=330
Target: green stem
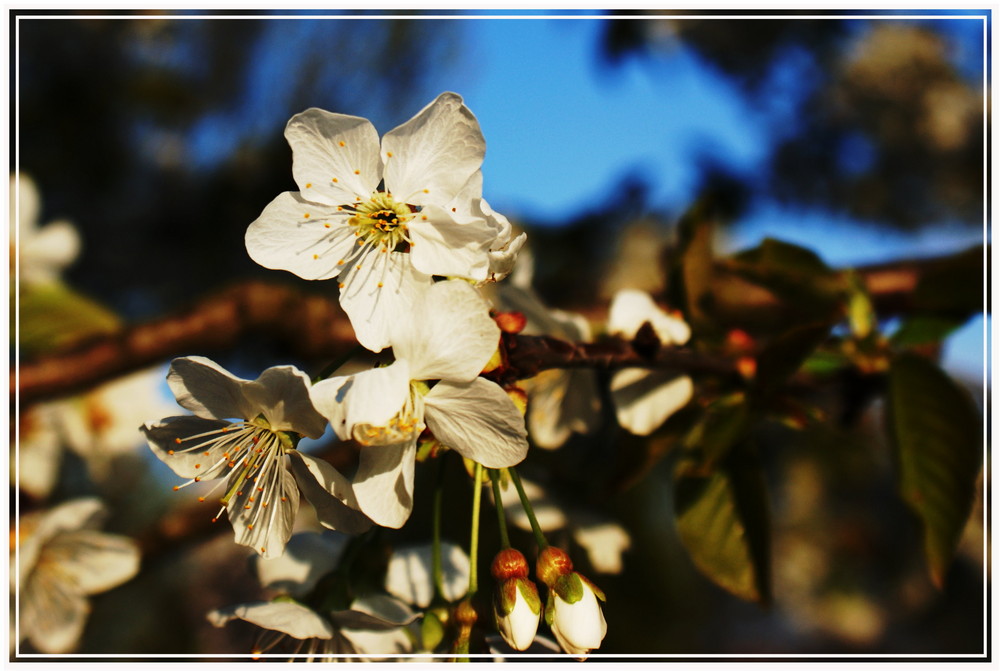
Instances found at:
x=477 y=495
x=437 y=570
x=337 y=363
x=528 y=510
x=501 y=520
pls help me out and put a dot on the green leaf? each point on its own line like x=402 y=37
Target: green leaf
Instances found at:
x=935 y=429
x=925 y=330
x=725 y=423
x=795 y=273
x=723 y=522
x=784 y=355
x=54 y=316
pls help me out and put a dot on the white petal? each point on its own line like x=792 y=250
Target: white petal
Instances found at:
x=561 y=402
x=187 y=458
x=83 y=513
x=94 y=561
x=48 y=251
x=450 y=335
x=330 y=493
x=580 y=627
x=379 y=291
x=519 y=626
x=478 y=420
x=209 y=390
x=302 y=237
x=383 y=484
x=288 y=617
x=53 y=613
x=24 y=195
x=631 y=308
x=263 y=520
x=308 y=557
x=452 y=245
x=282 y=394
x=387 y=611
x=502 y=260
x=644 y=399
x=604 y=543
x=39 y=451
x=327 y=146
x=410 y=574
x=433 y=154
x=372 y=397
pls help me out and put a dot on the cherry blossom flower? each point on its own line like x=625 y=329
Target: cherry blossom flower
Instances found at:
x=44 y=251
x=62 y=559
x=560 y=401
x=245 y=433
x=644 y=399
x=97 y=426
x=409 y=576
x=303 y=619
x=382 y=219
x=440 y=348
x=516 y=606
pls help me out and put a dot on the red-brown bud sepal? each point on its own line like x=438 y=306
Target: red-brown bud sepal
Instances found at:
x=552 y=564
x=509 y=563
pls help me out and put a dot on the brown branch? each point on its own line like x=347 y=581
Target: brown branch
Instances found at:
x=311 y=325
x=314 y=327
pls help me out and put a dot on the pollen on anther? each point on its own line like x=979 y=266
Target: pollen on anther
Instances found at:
x=197 y=479
x=453 y=209
x=201 y=499
x=389 y=154
x=341 y=262
x=341 y=285
x=334 y=179
x=283 y=498
x=426 y=191
x=309 y=185
x=197 y=465
x=178 y=441
x=361 y=242
x=170 y=452
x=315 y=256
x=249 y=526
x=176 y=487
x=326 y=225
x=357 y=172
x=342 y=143
x=379 y=285
x=305 y=216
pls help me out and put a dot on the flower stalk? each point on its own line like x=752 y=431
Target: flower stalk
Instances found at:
x=501 y=519
x=528 y=510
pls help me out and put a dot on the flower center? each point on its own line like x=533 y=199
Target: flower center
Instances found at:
x=381 y=221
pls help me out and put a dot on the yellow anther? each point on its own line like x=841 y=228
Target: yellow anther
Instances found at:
x=423 y=216
x=326 y=225
x=426 y=191
x=342 y=143
x=341 y=285
x=334 y=179
x=197 y=465
x=357 y=172
x=249 y=526
x=341 y=262
x=309 y=185
x=170 y=452
x=389 y=154
x=379 y=285
x=315 y=256
x=361 y=242
x=305 y=216
x=178 y=441
x=201 y=499
x=197 y=479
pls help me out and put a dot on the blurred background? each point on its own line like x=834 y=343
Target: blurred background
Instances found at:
x=160 y=138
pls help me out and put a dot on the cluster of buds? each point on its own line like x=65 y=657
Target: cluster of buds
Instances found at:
x=516 y=606
x=572 y=611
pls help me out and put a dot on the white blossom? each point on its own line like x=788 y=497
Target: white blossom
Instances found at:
x=62 y=559
x=579 y=626
x=440 y=348
x=244 y=434
x=371 y=625
x=382 y=219
x=43 y=251
x=409 y=576
x=645 y=399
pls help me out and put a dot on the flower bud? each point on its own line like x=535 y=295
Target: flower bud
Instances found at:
x=552 y=564
x=509 y=563
x=575 y=616
x=516 y=611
